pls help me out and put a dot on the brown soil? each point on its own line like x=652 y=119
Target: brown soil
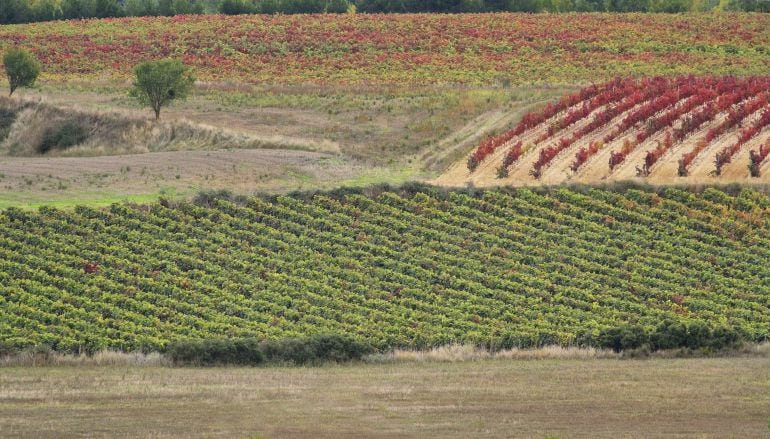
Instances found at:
x=34 y=180
x=486 y=173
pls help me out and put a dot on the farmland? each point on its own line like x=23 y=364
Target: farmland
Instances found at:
x=387 y=98
x=415 y=269
x=411 y=225
x=487 y=399
x=658 y=129
x=414 y=50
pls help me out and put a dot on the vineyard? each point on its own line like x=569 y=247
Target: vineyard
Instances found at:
x=411 y=267
x=412 y=49
x=665 y=130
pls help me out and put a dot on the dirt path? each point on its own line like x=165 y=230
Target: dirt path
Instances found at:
x=468 y=136
x=33 y=180
x=447 y=153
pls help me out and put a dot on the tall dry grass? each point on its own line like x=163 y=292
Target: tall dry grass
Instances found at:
x=460 y=352
x=33 y=358
x=445 y=354
x=113 y=132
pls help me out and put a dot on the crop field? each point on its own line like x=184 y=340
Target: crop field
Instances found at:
x=414 y=49
x=540 y=225
x=410 y=269
x=677 y=130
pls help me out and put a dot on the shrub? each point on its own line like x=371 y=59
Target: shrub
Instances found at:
x=669 y=334
x=106 y=8
x=698 y=335
x=622 y=338
x=21 y=67
x=252 y=352
x=7 y=117
x=314 y=349
x=724 y=337
x=473 y=162
x=77 y=9
x=213 y=352
x=65 y=136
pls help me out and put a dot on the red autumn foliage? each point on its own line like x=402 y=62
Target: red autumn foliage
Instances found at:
x=726 y=155
x=90 y=267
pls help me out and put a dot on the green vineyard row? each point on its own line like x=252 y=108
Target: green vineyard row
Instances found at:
x=409 y=267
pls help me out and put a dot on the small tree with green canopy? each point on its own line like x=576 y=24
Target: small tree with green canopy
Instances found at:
x=160 y=82
x=21 y=67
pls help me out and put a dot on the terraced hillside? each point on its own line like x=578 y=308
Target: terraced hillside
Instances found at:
x=662 y=130
x=411 y=267
x=410 y=49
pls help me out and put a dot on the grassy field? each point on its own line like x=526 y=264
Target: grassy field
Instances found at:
x=245 y=138
x=142 y=178
x=682 y=398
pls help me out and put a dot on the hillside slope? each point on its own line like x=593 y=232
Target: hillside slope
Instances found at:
x=681 y=130
x=407 y=268
x=412 y=49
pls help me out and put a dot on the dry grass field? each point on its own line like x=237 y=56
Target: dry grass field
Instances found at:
x=245 y=138
x=555 y=398
x=64 y=181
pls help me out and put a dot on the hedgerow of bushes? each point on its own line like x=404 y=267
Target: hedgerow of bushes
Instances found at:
x=251 y=351
x=669 y=334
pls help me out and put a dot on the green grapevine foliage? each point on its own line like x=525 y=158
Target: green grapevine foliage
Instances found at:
x=412 y=267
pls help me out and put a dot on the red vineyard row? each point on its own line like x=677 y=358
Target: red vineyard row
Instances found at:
x=626 y=114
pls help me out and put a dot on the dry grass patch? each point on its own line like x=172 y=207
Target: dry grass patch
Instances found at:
x=41 y=358
x=459 y=352
x=35 y=128
x=596 y=398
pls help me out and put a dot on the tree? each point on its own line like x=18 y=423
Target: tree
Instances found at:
x=14 y=11
x=106 y=8
x=166 y=8
x=525 y=5
x=46 y=10
x=160 y=82
x=139 y=8
x=21 y=67
x=77 y=8
x=236 y=7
